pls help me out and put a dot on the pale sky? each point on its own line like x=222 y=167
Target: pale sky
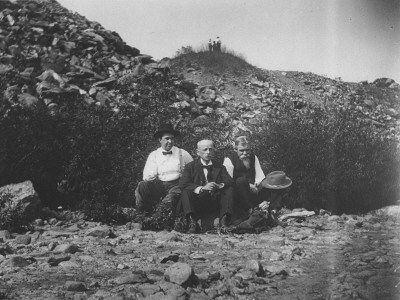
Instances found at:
x=354 y=39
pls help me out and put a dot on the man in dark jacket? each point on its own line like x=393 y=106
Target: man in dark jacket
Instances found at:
x=206 y=185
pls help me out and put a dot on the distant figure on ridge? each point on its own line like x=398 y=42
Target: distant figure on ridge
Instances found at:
x=218 y=44
x=210 y=46
x=214 y=47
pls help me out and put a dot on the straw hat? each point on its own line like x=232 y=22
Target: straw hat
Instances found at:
x=276 y=180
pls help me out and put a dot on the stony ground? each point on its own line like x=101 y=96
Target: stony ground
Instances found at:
x=316 y=257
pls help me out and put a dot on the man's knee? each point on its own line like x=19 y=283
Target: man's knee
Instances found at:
x=144 y=195
x=186 y=194
x=143 y=186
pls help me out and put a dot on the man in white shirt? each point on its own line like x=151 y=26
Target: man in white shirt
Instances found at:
x=162 y=172
x=252 y=187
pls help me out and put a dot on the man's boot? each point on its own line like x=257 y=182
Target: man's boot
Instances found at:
x=193 y=225
x=225 y=220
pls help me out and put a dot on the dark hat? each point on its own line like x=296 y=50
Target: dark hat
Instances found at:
x=276 y=180
x=165 y=128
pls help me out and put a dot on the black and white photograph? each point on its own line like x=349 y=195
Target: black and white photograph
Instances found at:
x=194 y=150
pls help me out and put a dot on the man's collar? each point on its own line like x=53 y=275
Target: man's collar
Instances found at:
x=204 y=163
x=162 y=150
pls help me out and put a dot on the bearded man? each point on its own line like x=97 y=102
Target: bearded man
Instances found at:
x=252 y=187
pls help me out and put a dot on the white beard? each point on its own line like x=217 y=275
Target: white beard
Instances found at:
x=246 y=162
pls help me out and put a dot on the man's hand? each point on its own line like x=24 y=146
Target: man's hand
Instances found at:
x=253 y=188
x=211 y=186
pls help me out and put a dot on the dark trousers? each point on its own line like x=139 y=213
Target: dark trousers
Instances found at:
x=150 y=193
x=245 y=199
x=197 y=204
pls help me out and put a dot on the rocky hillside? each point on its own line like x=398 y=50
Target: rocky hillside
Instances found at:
x=246 y=94
x=47 y=51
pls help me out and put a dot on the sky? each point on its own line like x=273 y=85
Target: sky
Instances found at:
x=352 y=39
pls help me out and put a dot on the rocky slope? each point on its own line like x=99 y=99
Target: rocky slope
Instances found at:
x=249 y=95
x=48 y=52
x=307 y=257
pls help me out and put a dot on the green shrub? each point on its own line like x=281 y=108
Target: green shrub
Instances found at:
x=336 y=161
x=11 y=214
x=224 y=62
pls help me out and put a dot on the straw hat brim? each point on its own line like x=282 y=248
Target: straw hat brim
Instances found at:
x=287 y=183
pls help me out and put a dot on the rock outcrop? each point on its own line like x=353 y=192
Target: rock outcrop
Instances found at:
x=22 y=197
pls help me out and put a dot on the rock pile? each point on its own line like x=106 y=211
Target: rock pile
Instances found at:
x=377 y=103
x=247 y=99
x=47 y=51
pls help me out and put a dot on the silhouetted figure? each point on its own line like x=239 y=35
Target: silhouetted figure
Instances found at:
x=218 y=44
x=210 y=46
x=214 y=47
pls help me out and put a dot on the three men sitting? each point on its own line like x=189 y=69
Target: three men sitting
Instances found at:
x=203 y=185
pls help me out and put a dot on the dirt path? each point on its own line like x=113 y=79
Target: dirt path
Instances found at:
x=322 y=257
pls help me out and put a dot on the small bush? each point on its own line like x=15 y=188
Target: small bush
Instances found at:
x=163 y=217
x=226 y=61
x=336 y=161
x=11 y=214
x=99 y=208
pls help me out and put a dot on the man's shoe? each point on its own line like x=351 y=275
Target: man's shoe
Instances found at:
x=193 y=226
x=224 y=220
x=273 y=216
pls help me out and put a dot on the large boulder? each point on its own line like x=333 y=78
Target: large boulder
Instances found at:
x=179 y=273
x=22 y=195
x=207 y=95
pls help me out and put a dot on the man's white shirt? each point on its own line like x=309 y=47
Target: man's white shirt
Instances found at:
x=259 y=172
x=166 y=167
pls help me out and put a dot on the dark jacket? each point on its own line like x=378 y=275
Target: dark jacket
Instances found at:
x=193 y=175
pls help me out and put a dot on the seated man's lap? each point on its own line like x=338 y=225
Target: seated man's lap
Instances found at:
x=275 y=197
x=148 y=194
x=172 y=195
